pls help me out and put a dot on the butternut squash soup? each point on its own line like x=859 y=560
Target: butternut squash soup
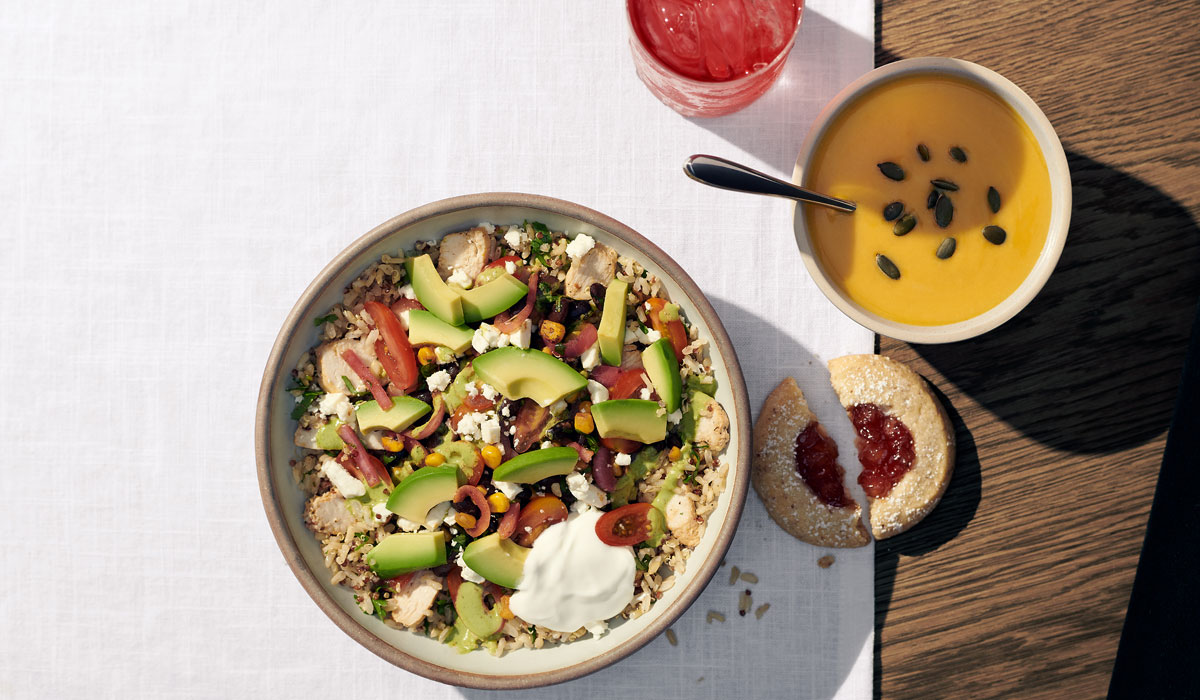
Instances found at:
x=953 y=200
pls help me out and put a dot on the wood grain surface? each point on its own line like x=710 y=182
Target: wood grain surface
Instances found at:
x=1017 y=584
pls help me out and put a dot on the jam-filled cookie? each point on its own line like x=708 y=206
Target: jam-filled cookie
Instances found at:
x=797 y=476
x=905 y=442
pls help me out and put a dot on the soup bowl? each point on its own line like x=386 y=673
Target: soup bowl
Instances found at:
x=1043 y=261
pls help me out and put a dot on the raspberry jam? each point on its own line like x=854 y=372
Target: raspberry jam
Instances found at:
x=885 y=448
x=816 y=460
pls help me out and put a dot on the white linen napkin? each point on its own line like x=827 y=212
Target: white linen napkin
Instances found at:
x=173 y=174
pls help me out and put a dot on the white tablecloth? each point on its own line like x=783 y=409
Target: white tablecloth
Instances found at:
x=172 y=175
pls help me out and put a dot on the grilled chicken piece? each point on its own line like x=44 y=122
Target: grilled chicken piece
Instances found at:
x=597 y=266
x=415 y=598
x=712 y=428
x=327 y=514
x=682 y=521
x=331 y=367
x=466 y=252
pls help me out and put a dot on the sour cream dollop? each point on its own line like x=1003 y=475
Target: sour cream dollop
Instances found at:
x=573 y=579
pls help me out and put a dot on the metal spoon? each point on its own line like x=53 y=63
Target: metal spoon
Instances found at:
x=727 y=175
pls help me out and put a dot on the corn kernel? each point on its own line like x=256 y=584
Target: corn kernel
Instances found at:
x=466 y=520
x=548 y=350
x=481 y=489
x=426 y=355
x=391 y=444
x=435 y=460
x=498 y=502
x=492 y=456
x=552 y=331
x=674 y=454
x=584 y=422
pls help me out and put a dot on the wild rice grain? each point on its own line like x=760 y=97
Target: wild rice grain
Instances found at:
x=714 y=615
x=761 y=610
x=744 y=603
x=749 y=577
x=733 y=575
x=671 y=638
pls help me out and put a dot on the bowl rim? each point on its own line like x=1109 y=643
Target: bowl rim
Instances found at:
x=737 y=487
x=1060 y=194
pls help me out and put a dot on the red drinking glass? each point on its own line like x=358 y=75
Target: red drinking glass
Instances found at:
x=705 y=58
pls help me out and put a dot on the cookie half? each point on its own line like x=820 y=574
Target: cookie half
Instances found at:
x=905 y=442
x=796 y=474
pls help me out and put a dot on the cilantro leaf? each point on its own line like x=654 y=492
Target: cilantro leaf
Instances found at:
x=349 y=384
x=380 y=609
x=321 y=320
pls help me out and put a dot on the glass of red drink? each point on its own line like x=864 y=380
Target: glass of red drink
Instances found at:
x=705 y=58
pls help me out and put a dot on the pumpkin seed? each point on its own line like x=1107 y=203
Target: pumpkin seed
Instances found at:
x=923 y=151
x=994 y=234
x=993 y=199
x=943 y=212
x=958 y=154
x=887 y=266
x=946 y=248
x=906 y=223
x=892 y=211
x=891 y=170
x=931 y=200
x=944 y=185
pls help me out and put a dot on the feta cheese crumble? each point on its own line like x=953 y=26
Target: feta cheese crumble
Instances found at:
x=622 y=459
x=584 y=491
x=516 y=237
x=590 y=357
x=597 y=391
x=336 y=405
x=468 y=574
x=508 y=488
x=341 y=479
x=460 y=278
x=580 y=245
x=438 y=381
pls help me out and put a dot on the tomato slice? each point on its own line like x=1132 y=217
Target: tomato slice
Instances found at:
x=627 y=385
x=478 y=402
x=454 y=579
x=580 y=342
x=499 y=262
x=625 y=526
x=671 y=330
x=400 y=362
x=537 y=515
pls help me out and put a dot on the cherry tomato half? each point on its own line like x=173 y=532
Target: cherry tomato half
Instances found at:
x=400 y=362
x=627 y=525
x=537 y=515
x=671 y=330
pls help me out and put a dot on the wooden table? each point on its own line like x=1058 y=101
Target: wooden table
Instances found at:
x=1017 y=584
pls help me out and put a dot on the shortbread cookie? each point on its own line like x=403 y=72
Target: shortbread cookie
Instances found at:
x=905 y=442
x=797 y=476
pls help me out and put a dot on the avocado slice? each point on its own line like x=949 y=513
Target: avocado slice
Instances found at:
x=426 y=329
x=687 y=426
x=404 y=412
x=611 y=332
x=537 y=465
x=405 y=552
x=632 y=419
x=432 y=292
x=706 y=383
x=626 y=490
x=463 y=455
x=500 y=561
x=327 y=437
x=474 y=613
x=485 y=301
x=660 y=363
x=657 y=514
x=520 y=374
x=427 y=487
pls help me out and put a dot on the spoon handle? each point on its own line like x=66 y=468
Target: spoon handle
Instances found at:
x=727 y=175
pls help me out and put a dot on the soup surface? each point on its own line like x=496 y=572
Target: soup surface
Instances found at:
x=993 y=148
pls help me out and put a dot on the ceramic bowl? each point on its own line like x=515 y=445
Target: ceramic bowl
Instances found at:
x=284 y=501
x=1060 y=194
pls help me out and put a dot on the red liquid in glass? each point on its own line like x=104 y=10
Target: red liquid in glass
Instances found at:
x=705 y=58
x=714 y=40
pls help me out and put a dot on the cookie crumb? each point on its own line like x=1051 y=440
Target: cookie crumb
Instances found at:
x=826 y=561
